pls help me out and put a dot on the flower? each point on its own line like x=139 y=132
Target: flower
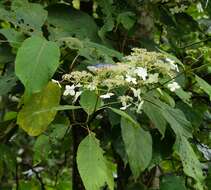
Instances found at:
x=153 y=78
x=105 y=96
x=140 y=106
x=199 y=7
x=124 y=100
x=77 y=94
x=136 y=92
x=31 y=172
x=130 y=79
x=172 y=65
x=141 y=72
x=92 y=86
x=173 y=86
x=170 y=60
x=69 y=90
x=56 y=82
x=125 y=107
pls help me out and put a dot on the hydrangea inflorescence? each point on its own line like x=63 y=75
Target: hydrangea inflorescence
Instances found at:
x=137 y=74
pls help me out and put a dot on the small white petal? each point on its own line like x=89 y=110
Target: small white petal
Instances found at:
x=69 y=90
x=170 y=60
x=130 y=79
x=106 y=96
x=77 y=94
x=136 y=92
x=56 y=82
x=141 y=72
x=125 y=107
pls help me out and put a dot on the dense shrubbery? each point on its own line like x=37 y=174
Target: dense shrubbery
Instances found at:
x=105 y=94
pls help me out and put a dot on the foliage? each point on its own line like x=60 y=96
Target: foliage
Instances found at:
x=105 y=94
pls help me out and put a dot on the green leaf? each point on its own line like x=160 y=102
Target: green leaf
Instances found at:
x=36 y=62
x=92 y=165
x=41 y=149
x=39 y=111
x=124 y=115
x=138 y=146
x=155 y=115
x=90 y=102
x=127 y=19
x=7 y=83
x=175 y=117
x=204 y=85
x=172 y=183
x=177 y=120
x=32 y=185
x=184 y=96
x=64 y=21
x=14 y=37
x=93 y=52
x=107 y=9
x=191 y=165
x=29 y=16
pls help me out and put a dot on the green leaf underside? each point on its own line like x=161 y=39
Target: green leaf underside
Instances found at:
x=138 y=145
x=32 y=118
x=191 y=165
x=155 y=115
x=68 y=22
x=175 y=117
x=36 y=62
x=92 y=165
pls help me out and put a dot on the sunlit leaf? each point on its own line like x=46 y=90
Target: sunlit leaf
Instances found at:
x=92 y=165
x=39 y=111
x=36 y=62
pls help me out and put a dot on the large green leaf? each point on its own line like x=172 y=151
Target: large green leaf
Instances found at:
x=177 y=120
x=172 y=183
x=204 y=85
x=39 y=111
x=191 y=165
x=138 y=145
x=28 y=14
x=64 y=21
x=175 y=117
x=28 y=17
x=93 y=52
x=92 y=165
x=155 y=115
x=89 y=101
x=36 y=62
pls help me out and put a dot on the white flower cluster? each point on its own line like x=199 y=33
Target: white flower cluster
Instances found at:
x=136 y=74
